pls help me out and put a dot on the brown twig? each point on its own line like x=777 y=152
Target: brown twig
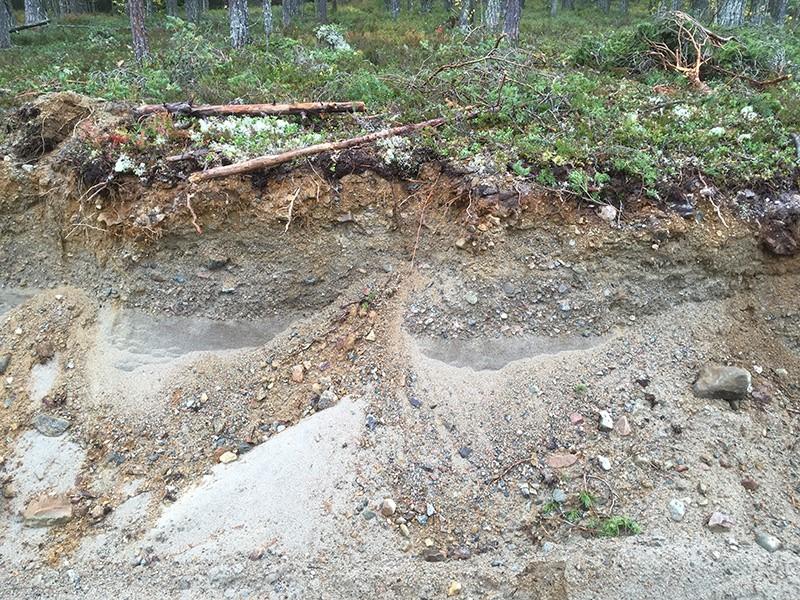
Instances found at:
x=510 y=468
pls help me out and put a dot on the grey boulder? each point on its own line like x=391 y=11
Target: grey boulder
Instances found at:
x=726 y=383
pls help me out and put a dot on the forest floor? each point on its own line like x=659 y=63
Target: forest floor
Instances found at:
x=581 y=104
x=340 y=381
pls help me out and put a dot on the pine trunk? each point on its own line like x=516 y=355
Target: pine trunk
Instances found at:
x=136 y=10
x=464 y=18
x=492 y=15
x=172 y=8
x=193 y=11
x=394 y=8
x=511 y=26
x=700 y=9
x=5 y=25
x=34 y=12
x=567 y=4
x=73 y=7
x=322 y=10
x=604 y=5
x=237 y=11
x=553 y=8
x=759 y=12
x=731 y=13
x=287 y=12
x=267 y=20
x=778 y=9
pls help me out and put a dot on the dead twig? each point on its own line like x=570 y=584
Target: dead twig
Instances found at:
x=613 y=495
x=510 y=468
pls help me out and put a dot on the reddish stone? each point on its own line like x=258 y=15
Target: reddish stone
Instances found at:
x=561 y=461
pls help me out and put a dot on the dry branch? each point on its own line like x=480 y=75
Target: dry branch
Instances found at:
x=28 y=26
x=692 y=49
x=271 y=160
x=220 y=110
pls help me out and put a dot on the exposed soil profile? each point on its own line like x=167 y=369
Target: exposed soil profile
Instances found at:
x=336 y=381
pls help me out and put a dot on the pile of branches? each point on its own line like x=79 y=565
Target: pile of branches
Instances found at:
x=678 y=42
x=686 y=47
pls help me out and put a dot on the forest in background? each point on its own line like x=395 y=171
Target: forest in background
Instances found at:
x=596 y=98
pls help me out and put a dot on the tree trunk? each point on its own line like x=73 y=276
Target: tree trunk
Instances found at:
x=267 y=20
x=9 y=10
x=759 y=12
x=567 y=5
x=136 y=10
x=511 y=26
x=464 y=18
x=172 y=8
x=34 y=12
x=778 y=9
x=237 y=11
x=731 y=13
x=73 y=7
x=553 y=8
x=322 y=10
x=623 y=7
x=700 y=9
x=492 y=15
x=5 y=26
x=193 y=10
x=394 y=8
x=604 y=5
x=287 y=12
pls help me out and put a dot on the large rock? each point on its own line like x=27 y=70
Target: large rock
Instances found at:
x=726 y=383
x=47 y=510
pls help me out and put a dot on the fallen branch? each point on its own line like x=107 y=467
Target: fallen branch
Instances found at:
x=754 y=82
x=271 y=160
x=28 y=26
x=219 y=110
